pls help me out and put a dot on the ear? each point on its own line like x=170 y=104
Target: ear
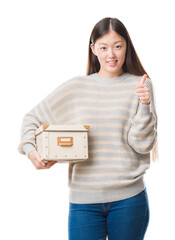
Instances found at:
x=92 y=46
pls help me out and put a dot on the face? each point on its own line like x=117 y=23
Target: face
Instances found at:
x=110 y=50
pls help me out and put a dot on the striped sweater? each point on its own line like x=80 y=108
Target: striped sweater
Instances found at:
x=123 y=131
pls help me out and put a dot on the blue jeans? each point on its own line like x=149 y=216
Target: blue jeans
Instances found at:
x=120 y=220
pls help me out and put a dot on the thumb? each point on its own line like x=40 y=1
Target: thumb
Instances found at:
x=143 y=79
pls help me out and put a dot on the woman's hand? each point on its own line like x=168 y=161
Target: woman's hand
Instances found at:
x=142 y=91
x=35 y=157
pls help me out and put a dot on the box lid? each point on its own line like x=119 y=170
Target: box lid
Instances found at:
x=61 y=128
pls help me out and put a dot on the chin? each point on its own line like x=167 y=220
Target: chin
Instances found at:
x=115 y=70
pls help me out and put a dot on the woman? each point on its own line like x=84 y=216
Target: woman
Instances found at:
x=107 y=192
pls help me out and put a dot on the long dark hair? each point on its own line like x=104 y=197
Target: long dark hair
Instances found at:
x=132 y=62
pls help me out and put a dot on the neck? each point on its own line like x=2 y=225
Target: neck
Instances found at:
x=105 y=74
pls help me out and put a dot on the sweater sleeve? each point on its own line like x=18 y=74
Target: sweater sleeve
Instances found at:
x=142 y=135
x=45 y=112
x=39 y=115
x=27 y=148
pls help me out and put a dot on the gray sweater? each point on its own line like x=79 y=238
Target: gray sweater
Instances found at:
x=123 y=131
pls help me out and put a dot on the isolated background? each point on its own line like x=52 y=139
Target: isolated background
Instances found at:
x=44 y=43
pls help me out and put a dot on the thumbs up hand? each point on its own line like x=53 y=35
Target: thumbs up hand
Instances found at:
x=142 y=91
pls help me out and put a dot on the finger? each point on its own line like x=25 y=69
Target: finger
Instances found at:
x=42 y=164
x=53 y=163
x=140 y=85
x=143 y=79
x=37 y=164
x=144 y=96
x=38 y=158
x=50 y=164
x=142 y=90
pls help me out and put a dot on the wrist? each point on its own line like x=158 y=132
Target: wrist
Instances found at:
x=143 y=108
x=28 y=148
x=148 y=103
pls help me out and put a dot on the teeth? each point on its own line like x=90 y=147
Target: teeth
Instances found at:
x=112 y=62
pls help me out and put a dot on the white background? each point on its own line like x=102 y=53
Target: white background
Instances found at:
x=44 y=43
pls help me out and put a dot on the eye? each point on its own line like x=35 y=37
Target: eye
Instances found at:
x=102 y=48
x=118 y=46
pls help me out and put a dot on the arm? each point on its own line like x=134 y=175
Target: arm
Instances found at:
x=46 y=112
x=142 y=134
x=40 y=114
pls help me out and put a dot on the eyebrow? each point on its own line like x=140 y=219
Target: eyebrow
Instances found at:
x=113 y=43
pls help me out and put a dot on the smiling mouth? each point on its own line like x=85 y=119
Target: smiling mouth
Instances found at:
x=112 y=61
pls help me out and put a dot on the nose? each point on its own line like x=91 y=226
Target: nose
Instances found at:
x=111 y=53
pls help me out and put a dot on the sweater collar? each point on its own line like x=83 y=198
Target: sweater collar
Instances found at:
x=110 y=80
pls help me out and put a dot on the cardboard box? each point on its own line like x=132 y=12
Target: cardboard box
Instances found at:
x=62 y=143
